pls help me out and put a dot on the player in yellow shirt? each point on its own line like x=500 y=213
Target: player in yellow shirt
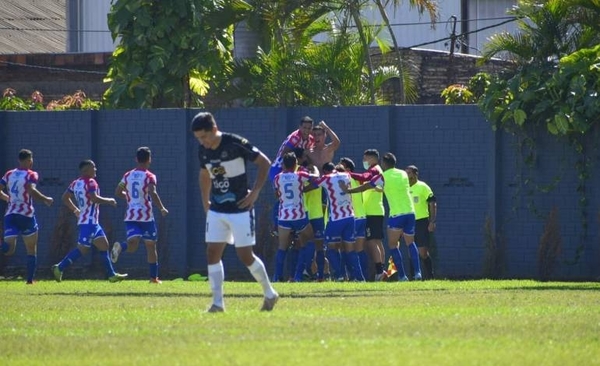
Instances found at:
x=425 y=215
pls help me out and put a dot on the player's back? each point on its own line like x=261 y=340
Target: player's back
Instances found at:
x=340 y=203
x=136 y=183
x=81 y=189
x=16 y=182
x=289 y=186
x=397 y=191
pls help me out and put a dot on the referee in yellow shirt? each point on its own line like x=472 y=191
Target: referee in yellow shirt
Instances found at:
x=425 y=214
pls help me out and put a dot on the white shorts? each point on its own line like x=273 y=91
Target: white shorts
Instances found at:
x=230 y=228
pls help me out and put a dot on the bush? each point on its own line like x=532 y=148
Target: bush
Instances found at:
x=458 y=94
x=77 y=101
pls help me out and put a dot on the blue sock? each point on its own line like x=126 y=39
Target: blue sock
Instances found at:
x=301 y=264
x=414 y=257
x=293 y=258
x=320 y=255
x=355 y=260
x=73 y=255
x=104 y=257
x=335 y=262
x=279 y=264
x=124 y=246
x=4 y=248
x=397 y=257
x=153 y=270
x=362 y=255
x=310 y=255
x=346 y=265
x=31 y=264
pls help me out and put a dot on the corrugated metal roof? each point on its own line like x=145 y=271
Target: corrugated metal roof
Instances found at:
x=33 y=26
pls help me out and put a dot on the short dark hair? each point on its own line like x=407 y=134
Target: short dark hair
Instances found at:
x=318 y=128
x=299 y=152
x=389 y=159
x=25 y=154
x=289 y=160
x=372 y=152
x=328 y=167
x=413 y=168
x=203 y=121
x=347 y=163
x=306 y=119
x=85 y=163
x=143 y=154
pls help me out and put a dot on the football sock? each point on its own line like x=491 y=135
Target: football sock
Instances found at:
x=333 y=255
x=105 y=258
x=310 y=255
x=346 y=265
x=279 y=264
x=216 y=275
x=293 y=258
x=378 y=268
x=397 y=257
x=4 y=248
x=414 y=257
x=355 y=260
x=257 y=269
x=73 y=255
x=362 y=255
x=124 y=246
x=153 y=270
x=31 y=264
x=320 y=255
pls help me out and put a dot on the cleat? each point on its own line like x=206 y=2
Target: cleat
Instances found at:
x=403 y=279
x=340 y=279
x=269 y=303
x=30 y=282
x=215 y=309
x=117 y=277
x=381 y=277
x=57 y=273
x=418 y=276
x=155 y=280
x=114 y=253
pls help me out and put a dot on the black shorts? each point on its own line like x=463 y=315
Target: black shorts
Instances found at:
x=374 y=228
x=422 y=232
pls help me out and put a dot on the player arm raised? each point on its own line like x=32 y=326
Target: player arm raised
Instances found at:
x=263 y=164
x=156 y=199
x=67 y=199
x=33 y=192
x=205 y=184
x=335 y=140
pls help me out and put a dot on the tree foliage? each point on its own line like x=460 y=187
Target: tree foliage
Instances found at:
x=168 y=51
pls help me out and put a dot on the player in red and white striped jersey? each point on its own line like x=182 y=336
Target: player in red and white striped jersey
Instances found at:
x=138 y=188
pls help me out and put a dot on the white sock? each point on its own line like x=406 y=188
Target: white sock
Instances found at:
x=216 y=275
x=258 y=271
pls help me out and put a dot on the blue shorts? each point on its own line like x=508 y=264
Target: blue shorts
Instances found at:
x=273 y=171
x=15 y=225
x=360 y=227
x=318 y=226
x=145 y=229
x=296 y=225
x=88 y=233
x=405 y=223
x=340 y=230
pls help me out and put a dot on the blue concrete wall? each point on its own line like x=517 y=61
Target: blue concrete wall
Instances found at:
x=473 y=171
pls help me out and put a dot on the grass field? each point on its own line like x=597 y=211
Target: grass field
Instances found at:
x=417 y=323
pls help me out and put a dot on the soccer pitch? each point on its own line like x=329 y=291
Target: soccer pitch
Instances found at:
x=416 y=323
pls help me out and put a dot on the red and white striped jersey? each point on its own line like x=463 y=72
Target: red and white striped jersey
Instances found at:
x=81 y=189
x=293 y=140
x=16 y=182
x=289 y=188
x=136 y=184
x=340 y=203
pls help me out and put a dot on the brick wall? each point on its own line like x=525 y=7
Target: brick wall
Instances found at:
x=472 y=171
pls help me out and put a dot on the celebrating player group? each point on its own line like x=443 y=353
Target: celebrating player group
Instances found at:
x=326 y=215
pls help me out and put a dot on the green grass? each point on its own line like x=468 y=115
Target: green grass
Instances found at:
x=425 y=323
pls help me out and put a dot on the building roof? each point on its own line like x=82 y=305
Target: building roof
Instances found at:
x=33 y=26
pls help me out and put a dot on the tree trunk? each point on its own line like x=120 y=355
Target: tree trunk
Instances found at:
x=361 y=32
x=399 y=63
